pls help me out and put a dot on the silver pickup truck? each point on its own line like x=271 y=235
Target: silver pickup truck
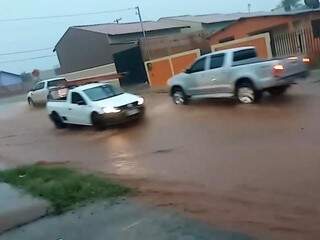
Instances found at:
x=236 y=73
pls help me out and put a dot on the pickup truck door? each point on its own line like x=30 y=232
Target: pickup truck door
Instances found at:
x=78 y=111
x=217 y=75
x=198 y=82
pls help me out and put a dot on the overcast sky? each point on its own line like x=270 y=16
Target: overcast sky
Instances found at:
x=35 y=34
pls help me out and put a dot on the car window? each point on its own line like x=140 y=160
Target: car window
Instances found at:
x=56 y=83
x=216 y=61
x=76 y=97
x=198 y=66
x=102 y=92
x=244 y=55
x=38 y=86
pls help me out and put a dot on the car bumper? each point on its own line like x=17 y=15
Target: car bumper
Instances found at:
x=278 y=82
x=123 y=116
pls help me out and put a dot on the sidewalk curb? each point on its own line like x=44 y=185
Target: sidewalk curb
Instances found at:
x=19 y=208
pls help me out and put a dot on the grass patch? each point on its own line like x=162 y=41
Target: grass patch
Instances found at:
x=64 y=188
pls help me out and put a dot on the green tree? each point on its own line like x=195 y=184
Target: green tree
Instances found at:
x=312 y=3
x=289 y=5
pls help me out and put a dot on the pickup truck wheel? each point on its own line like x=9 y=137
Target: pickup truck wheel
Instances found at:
x=58 y=121
x=277 y=91
x=247 y=94
x=179 y=97
x=97 y=123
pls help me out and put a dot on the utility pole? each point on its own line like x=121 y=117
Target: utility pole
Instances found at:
x=141 y=22
x=143 y=32
x=249 y=8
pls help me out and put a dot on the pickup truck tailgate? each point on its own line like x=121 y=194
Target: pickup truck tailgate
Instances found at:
x=293 y=66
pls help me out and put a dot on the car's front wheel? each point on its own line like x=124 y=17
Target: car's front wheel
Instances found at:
x=58 y=122
x=97 y=122
x=179 y=97
x=246 y=93
x=31 y=102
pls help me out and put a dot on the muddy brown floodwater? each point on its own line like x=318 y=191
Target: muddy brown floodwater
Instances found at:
x=250 y=168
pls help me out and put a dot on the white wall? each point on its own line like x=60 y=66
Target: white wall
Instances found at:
x=91 y=72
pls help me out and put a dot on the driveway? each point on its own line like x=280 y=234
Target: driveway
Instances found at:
x=251 y=168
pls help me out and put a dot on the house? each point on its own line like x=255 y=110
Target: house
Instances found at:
x=10 y=84
x=9 y=80
x=288 y=33
x=85 y=47
x=208 y=23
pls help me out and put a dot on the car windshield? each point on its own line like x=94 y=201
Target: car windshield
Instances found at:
x=102 y=92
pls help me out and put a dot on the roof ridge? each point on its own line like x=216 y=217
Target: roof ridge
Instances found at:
x=110 y=23
x=1 y=71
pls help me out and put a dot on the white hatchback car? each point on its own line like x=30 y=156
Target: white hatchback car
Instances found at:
x=39 y=93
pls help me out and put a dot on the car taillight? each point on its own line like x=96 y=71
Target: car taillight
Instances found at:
x=306 y=60
x=278 y=70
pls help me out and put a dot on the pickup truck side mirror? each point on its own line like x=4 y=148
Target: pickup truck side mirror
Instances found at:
x=81 y=102
x=188 y=71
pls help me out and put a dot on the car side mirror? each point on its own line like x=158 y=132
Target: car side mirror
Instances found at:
x=81 y=102
x=188 y=71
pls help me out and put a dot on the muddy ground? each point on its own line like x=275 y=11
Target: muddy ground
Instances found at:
x=249 y=168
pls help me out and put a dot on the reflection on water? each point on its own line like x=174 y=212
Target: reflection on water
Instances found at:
x=128 y=168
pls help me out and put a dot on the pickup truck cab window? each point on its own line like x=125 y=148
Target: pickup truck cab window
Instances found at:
x=216 y=61
x=102 y=92
x=76 y=98
x=198 y=66
x=244 y=55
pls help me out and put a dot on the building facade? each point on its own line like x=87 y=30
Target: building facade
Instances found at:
x=290 y=33
x=84 y=47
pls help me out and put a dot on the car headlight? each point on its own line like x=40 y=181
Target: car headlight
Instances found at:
x=110 y=110
x=140 y=101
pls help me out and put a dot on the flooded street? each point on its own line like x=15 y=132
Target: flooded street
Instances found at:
x=254 y=168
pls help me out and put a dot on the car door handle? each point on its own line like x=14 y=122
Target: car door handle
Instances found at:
x=70 y=109
x=213 y=79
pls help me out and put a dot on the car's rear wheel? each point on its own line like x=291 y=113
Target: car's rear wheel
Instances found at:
x=247 y=94
x=278 y=91
x=97 y=122
x=179 y=97
x=57 y=120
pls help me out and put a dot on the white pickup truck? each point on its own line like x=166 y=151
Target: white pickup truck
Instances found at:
x=236 y=73
x=95 y=104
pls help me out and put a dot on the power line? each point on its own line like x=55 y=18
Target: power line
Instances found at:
x=27 y=59
x=25 y=51
x=64 y=16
